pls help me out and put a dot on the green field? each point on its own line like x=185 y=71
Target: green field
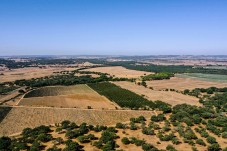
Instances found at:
x=205 y=77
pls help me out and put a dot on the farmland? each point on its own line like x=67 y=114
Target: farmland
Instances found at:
x=169 y=97
x=119 y=72
x=21 y=117
x=183 y=83
x=205 y=77
x=30 y=72
x=122 y=97
x=78 y=96
x=137 y=110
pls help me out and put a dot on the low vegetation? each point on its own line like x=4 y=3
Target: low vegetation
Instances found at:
x=158 y=76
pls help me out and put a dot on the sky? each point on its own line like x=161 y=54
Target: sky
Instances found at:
x=113 y=27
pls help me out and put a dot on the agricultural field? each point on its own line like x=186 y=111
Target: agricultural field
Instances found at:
x=205 y=77
x=181 y=84
x=30 y=72
x=142 y=133
x=123 y=97
x=169 y=97
x=21 y=117
x=120 y=72
x=78 y=96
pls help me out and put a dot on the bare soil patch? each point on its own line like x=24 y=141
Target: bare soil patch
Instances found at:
x=170 y=97
x=119 y=72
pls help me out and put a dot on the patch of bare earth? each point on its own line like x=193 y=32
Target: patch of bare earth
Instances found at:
x=170 y=97
x=22 y=117
x=119 y=72
x=182 y=84
x=30 y=72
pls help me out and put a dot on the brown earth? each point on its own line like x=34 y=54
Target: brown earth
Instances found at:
x=170 y=97
x=30 y=72
x=119 y=72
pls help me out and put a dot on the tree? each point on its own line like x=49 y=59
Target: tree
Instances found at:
x=5 y=143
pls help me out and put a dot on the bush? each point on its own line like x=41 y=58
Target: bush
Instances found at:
x=170 y=148
x=211 y=140
x=149 y=147
x=200 y=142
x=224 y=135
x=125 y=140
x=72 y=146
x=214 y=147
x=120 y=126
x=158 y=118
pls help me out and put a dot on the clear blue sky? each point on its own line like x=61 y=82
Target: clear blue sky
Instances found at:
x=113 y=27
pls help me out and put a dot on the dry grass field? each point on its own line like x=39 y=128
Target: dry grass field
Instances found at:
x=78 y=96
x=182 y=84
x=30 y=72
x=119 y=72
x=170 y=97
x=121 y=133
x=22 y=117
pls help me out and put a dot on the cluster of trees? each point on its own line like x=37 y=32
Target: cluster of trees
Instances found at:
x=198 y=91
x=126 y=98
x=5 y=88
x=158 y=76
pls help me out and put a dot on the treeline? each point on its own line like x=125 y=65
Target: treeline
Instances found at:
x=68 y=79
x=161 y=68
x=127 y=99
x=4 y=88
x=198 y=91
x=158 y=76
x=12 y=64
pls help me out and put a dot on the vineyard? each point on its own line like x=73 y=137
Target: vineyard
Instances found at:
x=122 y=97
x=58 y=90
x=3 y=112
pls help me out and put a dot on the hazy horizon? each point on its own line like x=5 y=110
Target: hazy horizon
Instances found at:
x=113 y=27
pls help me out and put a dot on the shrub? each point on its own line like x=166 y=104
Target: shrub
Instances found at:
x=125 y=140
x=149 y=147
x=224 y=135
x=214 y=147
x=170 y=148
x=200 y=142
x=211 y=140
x=120 y=126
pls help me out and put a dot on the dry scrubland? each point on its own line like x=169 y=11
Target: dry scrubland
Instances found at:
x=78 y=96
x=182 y=83
x=30 y=72
x=170 y=97
x=22 y=117
x=119 y=72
